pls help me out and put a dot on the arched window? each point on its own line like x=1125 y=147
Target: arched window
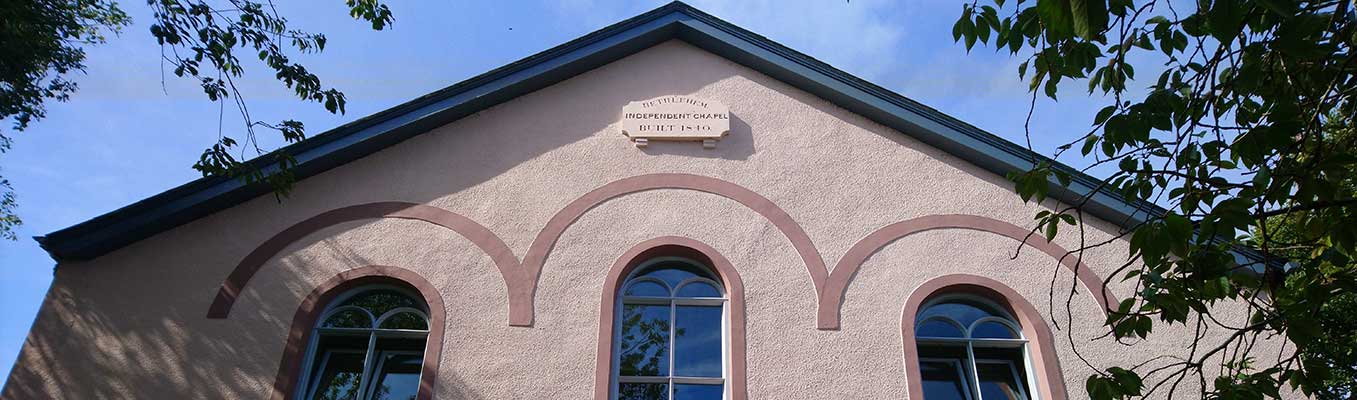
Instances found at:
x=971 y=349
x=671 y=337
x=368 y=345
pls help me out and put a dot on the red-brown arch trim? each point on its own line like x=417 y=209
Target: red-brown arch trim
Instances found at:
x=520 y=279
x=546 y=239
x=487 y=241
x=677 y=247
x=831 y=299
x=289 y=369
x=1040 y=342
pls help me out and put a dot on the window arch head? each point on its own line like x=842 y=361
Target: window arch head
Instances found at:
x=970 y=348
x=965 y=318
x=671 y=334
x=368 y=344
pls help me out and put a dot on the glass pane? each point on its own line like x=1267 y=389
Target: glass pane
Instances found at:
x=965 y=313
x=698 y=289
x=647 y=288
x=675 y=272
x=936 y=328
x=643 y=391
x=339 y=376
x=348 y=319
x=684 y=391
x=399 y=377
x=405 y=320
x=697 y=341
x=998 y=381
x=992 y=330
x=645 y=340
x=942 y=380
x=380 y=301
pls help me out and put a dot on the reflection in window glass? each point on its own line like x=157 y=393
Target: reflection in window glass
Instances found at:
x=697 y=341
x=645 y=340
x=405 y=320
x=673 y=273
x=647 y=288
x=399 y=377
x=643 y=391
x=970 y=350
x=340 y=376
x=943 y=380
x=936 y=328
x=349 y=318
x=379 y=301
x=998 y=381
x=353 y=360
x=685 y=391
x=698 y=289
x=670 y=341
x=963 y=313
x=992 y=330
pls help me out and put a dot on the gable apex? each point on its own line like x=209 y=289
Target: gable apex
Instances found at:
x=673 y=21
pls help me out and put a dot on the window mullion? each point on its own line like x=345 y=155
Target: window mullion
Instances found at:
x=368 y=359
x=673 y=321
x=973 y=372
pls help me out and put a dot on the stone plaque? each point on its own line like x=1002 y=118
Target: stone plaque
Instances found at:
x=675 y=118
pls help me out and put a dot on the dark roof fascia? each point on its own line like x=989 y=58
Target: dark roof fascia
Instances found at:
x=676 y=20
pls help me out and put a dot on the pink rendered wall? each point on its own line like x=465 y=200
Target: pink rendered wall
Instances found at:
x=131 y=324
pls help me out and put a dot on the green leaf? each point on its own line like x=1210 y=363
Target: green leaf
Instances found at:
x=1089 y=17
x=958 y=29
x=1056 y=17
x=1103 y=114
x=1225 y=19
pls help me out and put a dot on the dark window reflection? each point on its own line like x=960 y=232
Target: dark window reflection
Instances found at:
x=992 y=330
x=942 y=380
x=340 y=376
x=645 y=340
x=643 y=391
x=381 y=300
x=936 y=328
x=998 y=381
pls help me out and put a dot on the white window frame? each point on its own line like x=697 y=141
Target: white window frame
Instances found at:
x=673 y=302
x=971 y=373
x=308 y=388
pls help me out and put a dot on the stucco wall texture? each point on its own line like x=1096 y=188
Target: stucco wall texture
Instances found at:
x=131 y=324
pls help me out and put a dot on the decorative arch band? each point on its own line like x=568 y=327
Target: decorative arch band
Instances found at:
x=521 y=278
x=831 y=299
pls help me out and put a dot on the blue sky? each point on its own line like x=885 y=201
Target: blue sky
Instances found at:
x=125 y=136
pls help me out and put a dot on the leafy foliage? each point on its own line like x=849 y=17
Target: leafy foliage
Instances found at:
x=1235 y=132
x=202 y=41
x=43 y=43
